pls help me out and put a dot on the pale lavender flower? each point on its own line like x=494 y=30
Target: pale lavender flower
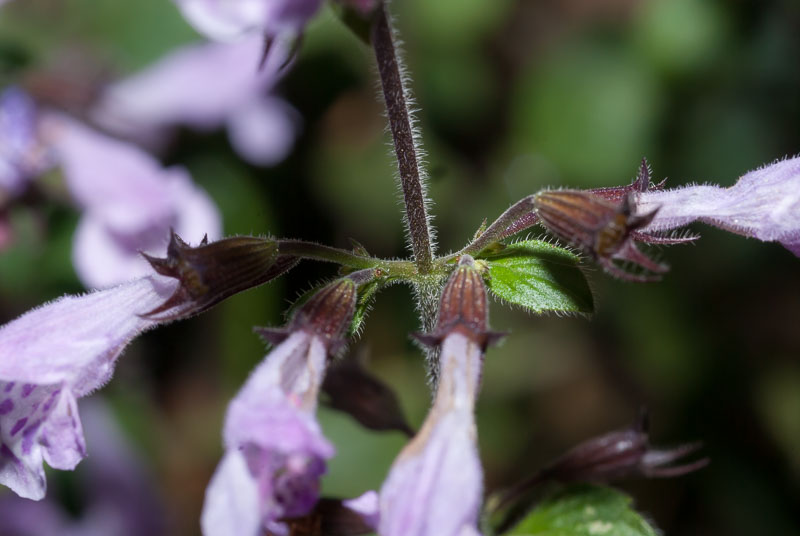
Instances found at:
x=763 y=204
x=366 y=505
x=207 y=86
x=129 y=202
x=50 y=357
x=117 y=496
x=275 y=452
x=21 y=153
x=225 y=20
x=435 y=486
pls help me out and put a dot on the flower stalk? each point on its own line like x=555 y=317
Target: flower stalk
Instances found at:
x=406 y=143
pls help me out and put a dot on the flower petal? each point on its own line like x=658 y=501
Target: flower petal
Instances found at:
x=367 y=505
x=436 y=484
x=230 y=19
x=232 y=504
x=763 y=204
x=76 y=339
x=197 y=85
x=49 y=357
x=263 y=131
x=130 y=202
x=270 y=426
x=21 y=155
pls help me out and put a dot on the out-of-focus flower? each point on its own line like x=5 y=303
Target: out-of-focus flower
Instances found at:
x=275 y=452
x=207 y=86
x=621 y=454
x=617 y=455
x=226 y=20
x=22 y=156
x=763 y=204
x=50 y=357
x=118 y=497
x=129 y=202
x=435 y=485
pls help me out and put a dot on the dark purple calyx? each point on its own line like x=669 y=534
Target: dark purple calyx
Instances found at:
x=463 y=307
x=327 y=314
x=603 y=229
x=209 y=273
x=329 y=516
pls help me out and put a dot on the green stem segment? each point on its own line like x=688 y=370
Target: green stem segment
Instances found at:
x=320 y=252
x=396 y=97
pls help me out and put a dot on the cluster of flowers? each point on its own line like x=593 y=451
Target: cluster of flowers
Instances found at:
x=275 y=452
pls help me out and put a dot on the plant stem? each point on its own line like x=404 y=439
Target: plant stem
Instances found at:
x=517 y=217
x=320 y=252
x=406 y=146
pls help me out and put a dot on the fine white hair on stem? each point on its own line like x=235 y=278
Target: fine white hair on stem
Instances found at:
x=412 y=110
x=406 y=138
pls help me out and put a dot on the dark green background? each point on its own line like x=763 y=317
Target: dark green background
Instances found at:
x=514 y=97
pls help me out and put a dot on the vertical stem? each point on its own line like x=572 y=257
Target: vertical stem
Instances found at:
x=400 y=122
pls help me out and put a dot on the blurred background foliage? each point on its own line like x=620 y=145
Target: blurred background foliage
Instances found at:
x=514 y=96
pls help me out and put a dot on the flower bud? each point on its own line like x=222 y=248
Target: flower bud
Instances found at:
x=212 y=272
x=613 y=456
x=463 y=306
x=327 y=314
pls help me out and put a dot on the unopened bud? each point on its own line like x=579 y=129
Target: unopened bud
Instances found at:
x=209 y=273
x=622 y=454
x=613 y=456
x=463 y=306
x=464 y=302
x=327 y=313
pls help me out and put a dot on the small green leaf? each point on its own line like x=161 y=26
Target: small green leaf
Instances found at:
x=540 y=277
x=365 y=295
x=585 y=510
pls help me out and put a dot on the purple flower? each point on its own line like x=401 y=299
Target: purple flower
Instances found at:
x=116 y=493
x=225 y=20
x=50 y=357
x=206 y=86
x=275 y=452
x=435 y=485
x=21 y=154
x=366 y=505
x=129 y=202
x=763 y=204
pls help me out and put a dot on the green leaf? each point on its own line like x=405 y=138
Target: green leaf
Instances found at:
x=585 y=510
x=540 y=277
x=365 y=296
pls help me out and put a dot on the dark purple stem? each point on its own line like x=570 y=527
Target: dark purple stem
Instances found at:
x=395 y=95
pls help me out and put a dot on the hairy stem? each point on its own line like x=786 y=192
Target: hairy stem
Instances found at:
x=517 y=217
x=400 y=121
x=320 y=252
